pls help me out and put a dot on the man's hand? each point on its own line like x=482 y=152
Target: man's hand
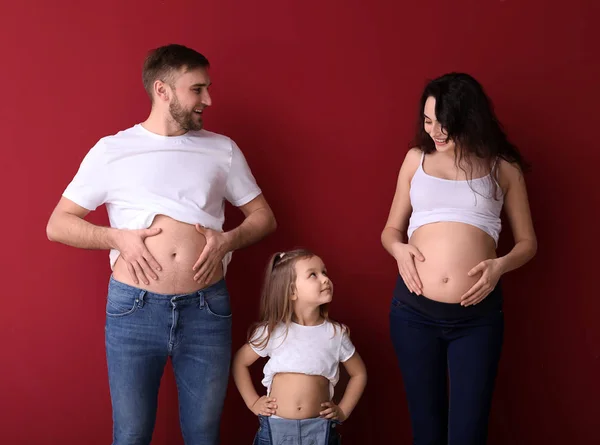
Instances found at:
x=212 y=255
x=140 y=262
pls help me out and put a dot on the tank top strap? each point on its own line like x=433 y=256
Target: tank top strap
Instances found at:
x=495 y=162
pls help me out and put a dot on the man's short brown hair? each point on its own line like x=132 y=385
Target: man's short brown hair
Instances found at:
x=162 y=62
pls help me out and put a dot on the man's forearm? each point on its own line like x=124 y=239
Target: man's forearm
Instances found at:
x=256 y=226
x=76 y=232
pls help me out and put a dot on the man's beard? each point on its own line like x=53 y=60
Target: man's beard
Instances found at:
x=185 y=119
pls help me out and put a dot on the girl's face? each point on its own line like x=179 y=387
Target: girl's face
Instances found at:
x=434 y=128
x=313 y=287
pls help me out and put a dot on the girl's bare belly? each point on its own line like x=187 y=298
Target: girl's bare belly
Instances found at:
x=451 y=250
x=299 y=396
x=176 y=248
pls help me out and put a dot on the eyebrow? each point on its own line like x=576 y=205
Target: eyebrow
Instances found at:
x=201 y=85
x=427 y=117
x=312 y=269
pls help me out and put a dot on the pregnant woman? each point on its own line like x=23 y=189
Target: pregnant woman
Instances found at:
x=446 y=318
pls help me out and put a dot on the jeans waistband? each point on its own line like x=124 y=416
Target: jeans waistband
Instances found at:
x=148 y=296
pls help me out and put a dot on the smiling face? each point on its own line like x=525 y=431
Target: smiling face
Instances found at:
x=188 y=97
x=434 y=129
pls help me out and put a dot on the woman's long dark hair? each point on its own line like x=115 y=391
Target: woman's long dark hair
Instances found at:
x=467 y=115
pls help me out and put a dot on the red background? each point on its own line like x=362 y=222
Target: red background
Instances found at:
x=321 y=97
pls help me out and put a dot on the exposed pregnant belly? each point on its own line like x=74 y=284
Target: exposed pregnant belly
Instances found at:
x=451 y=250
x=176 y=248
x=299 y=396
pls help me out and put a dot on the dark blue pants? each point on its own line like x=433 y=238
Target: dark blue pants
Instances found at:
x=448 y=368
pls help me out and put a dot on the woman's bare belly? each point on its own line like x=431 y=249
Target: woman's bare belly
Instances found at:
x=299 y=396
x=176 y=248
x=451 y=250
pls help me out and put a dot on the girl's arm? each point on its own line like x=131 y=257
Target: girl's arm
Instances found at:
x=244 y=358
x=356 y=385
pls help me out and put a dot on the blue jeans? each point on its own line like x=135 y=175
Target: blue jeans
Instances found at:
x=433 y=352
x=278 y=431
x=143 y=329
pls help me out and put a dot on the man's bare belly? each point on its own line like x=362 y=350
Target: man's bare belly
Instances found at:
x=176 y=248
x=299 y=396
x=451 y=250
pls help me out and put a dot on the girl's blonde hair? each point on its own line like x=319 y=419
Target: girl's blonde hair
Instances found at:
x=275 y=303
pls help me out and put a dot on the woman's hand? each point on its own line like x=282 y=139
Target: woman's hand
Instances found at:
x=405 y=255
x=490 y=271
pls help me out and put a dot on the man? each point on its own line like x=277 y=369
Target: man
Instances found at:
x=164 y=183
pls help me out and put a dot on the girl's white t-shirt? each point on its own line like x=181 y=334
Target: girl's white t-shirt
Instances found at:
x=311 y=350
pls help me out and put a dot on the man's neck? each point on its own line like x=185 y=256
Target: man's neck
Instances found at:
x=157 y=123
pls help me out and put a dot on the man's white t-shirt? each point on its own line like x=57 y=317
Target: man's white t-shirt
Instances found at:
x=311 y=350
x=139 y=174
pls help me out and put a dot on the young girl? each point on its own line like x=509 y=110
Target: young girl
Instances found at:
x=305 y=348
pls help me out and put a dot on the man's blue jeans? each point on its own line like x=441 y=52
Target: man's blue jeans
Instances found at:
x=143 y=329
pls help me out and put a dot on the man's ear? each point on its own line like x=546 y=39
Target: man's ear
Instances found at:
x=162 y=91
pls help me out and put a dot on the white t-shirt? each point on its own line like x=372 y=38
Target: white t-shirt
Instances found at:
x=139 y=174
x=311 y=350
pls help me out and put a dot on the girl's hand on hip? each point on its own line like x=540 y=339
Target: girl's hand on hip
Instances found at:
x=332 y=412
